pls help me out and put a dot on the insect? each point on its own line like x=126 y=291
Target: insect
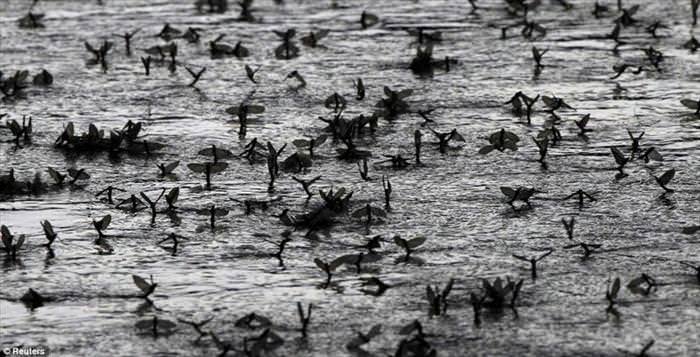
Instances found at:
x=438 y=299
x=359 y=88
x=296 y=75
x=152 y=204
x=208 y=169
x=10 y=245
x=304 y=319
x=216 y=153
x=311 y=40
x=533 y=261
x=496 y=293
x=195 y=75
x=306 y=184
x=219 y=50
x=621 y=161
x=287 y=50
x=101 y=225
x=213 y=212
x=537 y=56
x=582 y=123
x=146 y=288
x=368 y=20
x=49 y=233
x=127 y=36
x=588 y=249
x=611 y=296
x=251 y=73
x=664 y=180
x=409 y=247
x=363 y=338
x=310 y=143
x=520 y=194
x=500 y=140
x=167 y=169
x=580 y=195
x=329 y=268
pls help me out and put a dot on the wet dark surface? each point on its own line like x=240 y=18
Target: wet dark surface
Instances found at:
x=453 y=200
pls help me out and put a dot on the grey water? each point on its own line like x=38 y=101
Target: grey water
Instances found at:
x=453 y=199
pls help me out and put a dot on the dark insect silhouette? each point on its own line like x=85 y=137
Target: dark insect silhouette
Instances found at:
x=611 y=297
x=381 y=287
x=692 y=104
x=304 y=319
x=152 y=204
x=664 y=180
x=360 y=89
x=288 y=49
x=306 y=184
x=543 y=148
x=127 y=36
x=588 y=249
x=192 y=35
x=500 y=140
x=208 y=169
x=49 y=233
x=621 y=68
x=599 y=9
x=43 y=78
x=522 y=194
x=251 y=73
x=167 y=169
x=310 y=143
x=409 y=247
x=31 y=21
x=146 y=288
x=253 y=321
x=651 y=29
x=10 y=245
x=533 y=261
x=175 y=243
x=651 y=154
x=438 y=299
x=582 y=125
x=101 y=225
x=364 y=170
x=580 y=195
x=213 y=212
x=496 y=294
x=643 y=285
x=363 y=338
x=195 y=75
x=100 y=54
x=311 y=40
x=369 y=212
x=146 y=61
x=386 y=184
x=445 y=138
x=368 y=20
x=693 y=44
x=329 y=268
x=220 y=50
x=621 y=161
x=296 y=75
x=537 y=56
